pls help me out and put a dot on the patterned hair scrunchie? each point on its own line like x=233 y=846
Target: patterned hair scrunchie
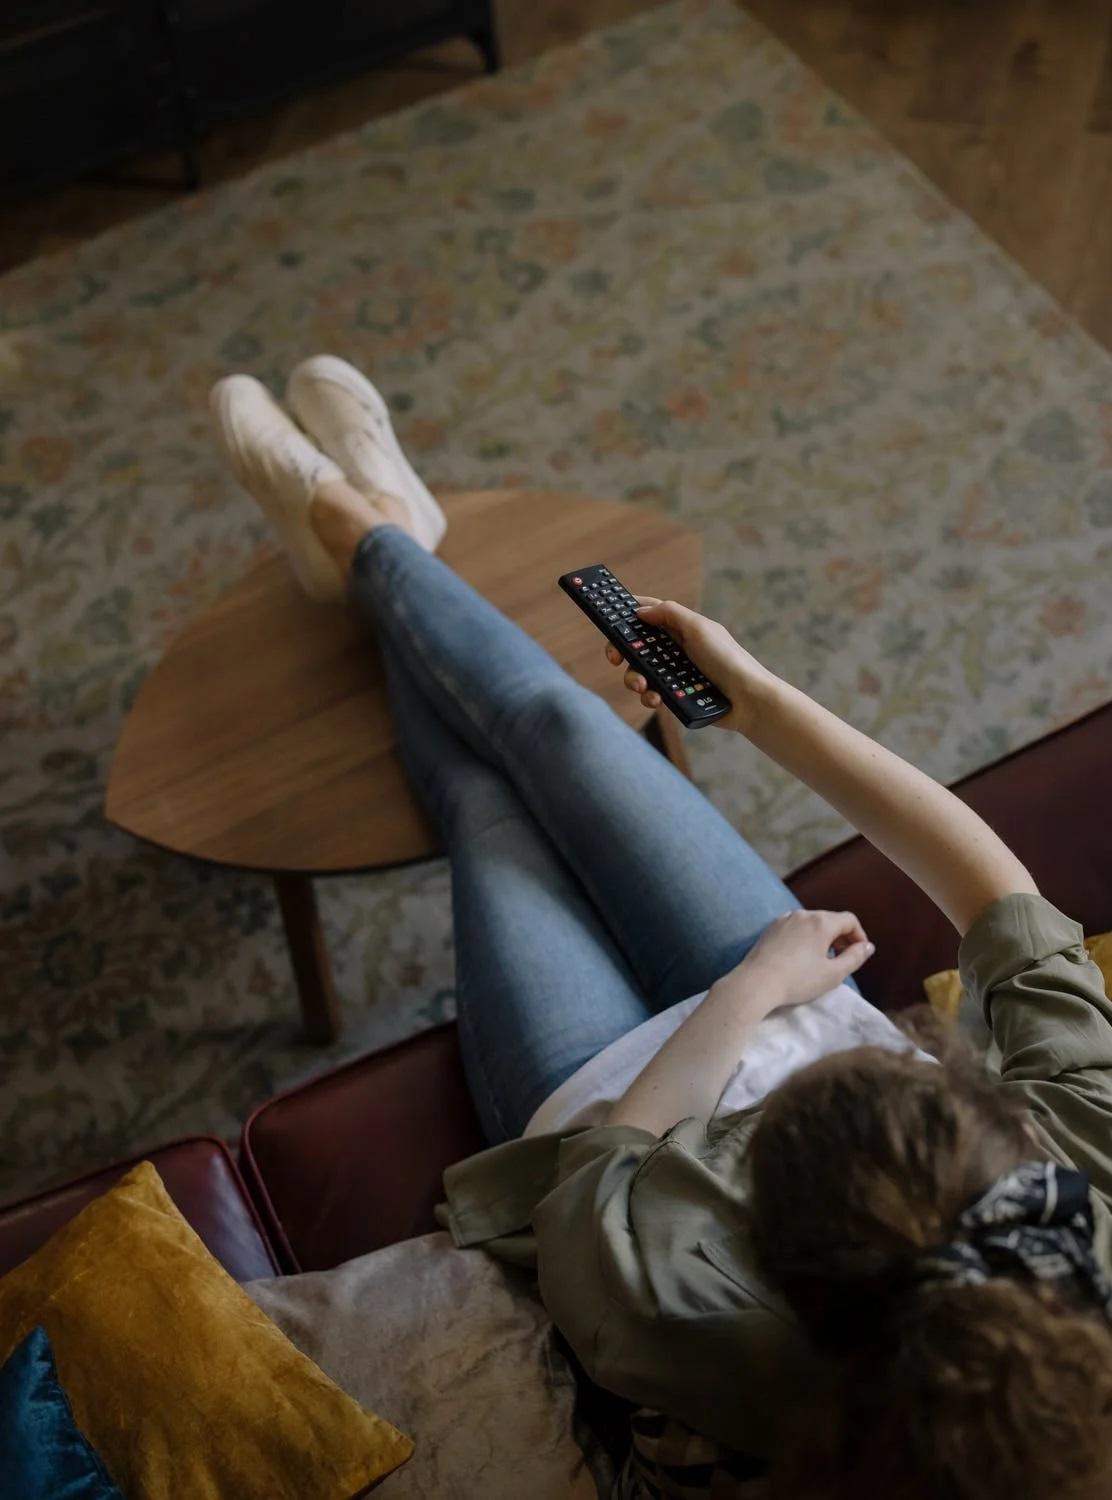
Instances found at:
x=1034 y=1223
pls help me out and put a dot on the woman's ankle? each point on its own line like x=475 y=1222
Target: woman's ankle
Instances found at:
x=341 y=516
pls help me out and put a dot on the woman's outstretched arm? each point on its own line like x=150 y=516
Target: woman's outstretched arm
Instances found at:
x=945 y=847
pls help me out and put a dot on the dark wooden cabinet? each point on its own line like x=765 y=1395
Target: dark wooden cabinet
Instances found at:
x=83 y=85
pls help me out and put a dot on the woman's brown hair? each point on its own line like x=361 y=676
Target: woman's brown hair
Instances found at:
x=861 y=1164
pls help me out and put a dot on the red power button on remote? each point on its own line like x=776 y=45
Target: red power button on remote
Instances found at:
x=578 y=582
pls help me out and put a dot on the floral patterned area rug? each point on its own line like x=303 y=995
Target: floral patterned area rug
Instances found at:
x=664 y=265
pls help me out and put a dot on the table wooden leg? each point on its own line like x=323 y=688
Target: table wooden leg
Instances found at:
x=667 y=732
x=319 y=1007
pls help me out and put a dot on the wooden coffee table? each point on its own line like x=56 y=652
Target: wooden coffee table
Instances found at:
x=263 y=739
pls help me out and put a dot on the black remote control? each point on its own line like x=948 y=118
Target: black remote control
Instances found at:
x=690 y=695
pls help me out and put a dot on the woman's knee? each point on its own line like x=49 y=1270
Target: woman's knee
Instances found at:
x=558 y=713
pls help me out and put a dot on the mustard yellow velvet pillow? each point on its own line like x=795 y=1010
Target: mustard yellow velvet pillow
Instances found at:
x=182 y=1385
x=943 y=989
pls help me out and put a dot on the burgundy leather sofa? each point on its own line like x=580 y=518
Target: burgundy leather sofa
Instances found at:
x=353 y=1160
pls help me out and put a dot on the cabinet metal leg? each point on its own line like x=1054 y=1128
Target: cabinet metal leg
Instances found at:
x=320 y=1008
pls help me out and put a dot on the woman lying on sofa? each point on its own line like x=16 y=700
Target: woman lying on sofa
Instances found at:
x=886 y=1276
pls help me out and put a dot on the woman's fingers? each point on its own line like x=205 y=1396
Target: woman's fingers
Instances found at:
x=633 y=679
x=850 y=958
x=615 y=657
x=843 y=928
x=846 y=939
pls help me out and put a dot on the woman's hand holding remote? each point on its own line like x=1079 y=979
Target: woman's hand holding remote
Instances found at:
x=937 y=840
x=713 y=649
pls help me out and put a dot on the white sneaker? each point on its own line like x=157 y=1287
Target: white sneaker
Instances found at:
x=279 y=468
x=348 y=418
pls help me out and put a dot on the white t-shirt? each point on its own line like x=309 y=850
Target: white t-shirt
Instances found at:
x=780 y=1045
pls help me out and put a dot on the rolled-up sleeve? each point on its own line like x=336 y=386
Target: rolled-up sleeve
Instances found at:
x=491 y=1196
x=1044 y=1000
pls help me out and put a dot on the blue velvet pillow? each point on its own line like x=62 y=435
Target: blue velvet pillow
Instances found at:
x=44 y=1455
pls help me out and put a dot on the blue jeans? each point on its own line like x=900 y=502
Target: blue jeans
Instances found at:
x=592 y=884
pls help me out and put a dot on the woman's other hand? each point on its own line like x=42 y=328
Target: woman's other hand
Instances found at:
x=790 y=963
x=713 y=650
x=800 y=956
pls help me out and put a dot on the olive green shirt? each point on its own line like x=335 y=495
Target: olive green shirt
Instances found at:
x=639 y=1241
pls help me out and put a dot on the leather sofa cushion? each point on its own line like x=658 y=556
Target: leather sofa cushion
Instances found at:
x=202 y=1179
x=354 y=1159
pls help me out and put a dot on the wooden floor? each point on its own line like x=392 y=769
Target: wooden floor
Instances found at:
x=1006 y=104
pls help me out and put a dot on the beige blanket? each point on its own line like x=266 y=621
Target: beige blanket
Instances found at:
x=457 y=1351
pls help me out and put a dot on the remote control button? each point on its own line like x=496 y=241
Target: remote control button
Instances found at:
x=626 y=632
x=578 y=582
